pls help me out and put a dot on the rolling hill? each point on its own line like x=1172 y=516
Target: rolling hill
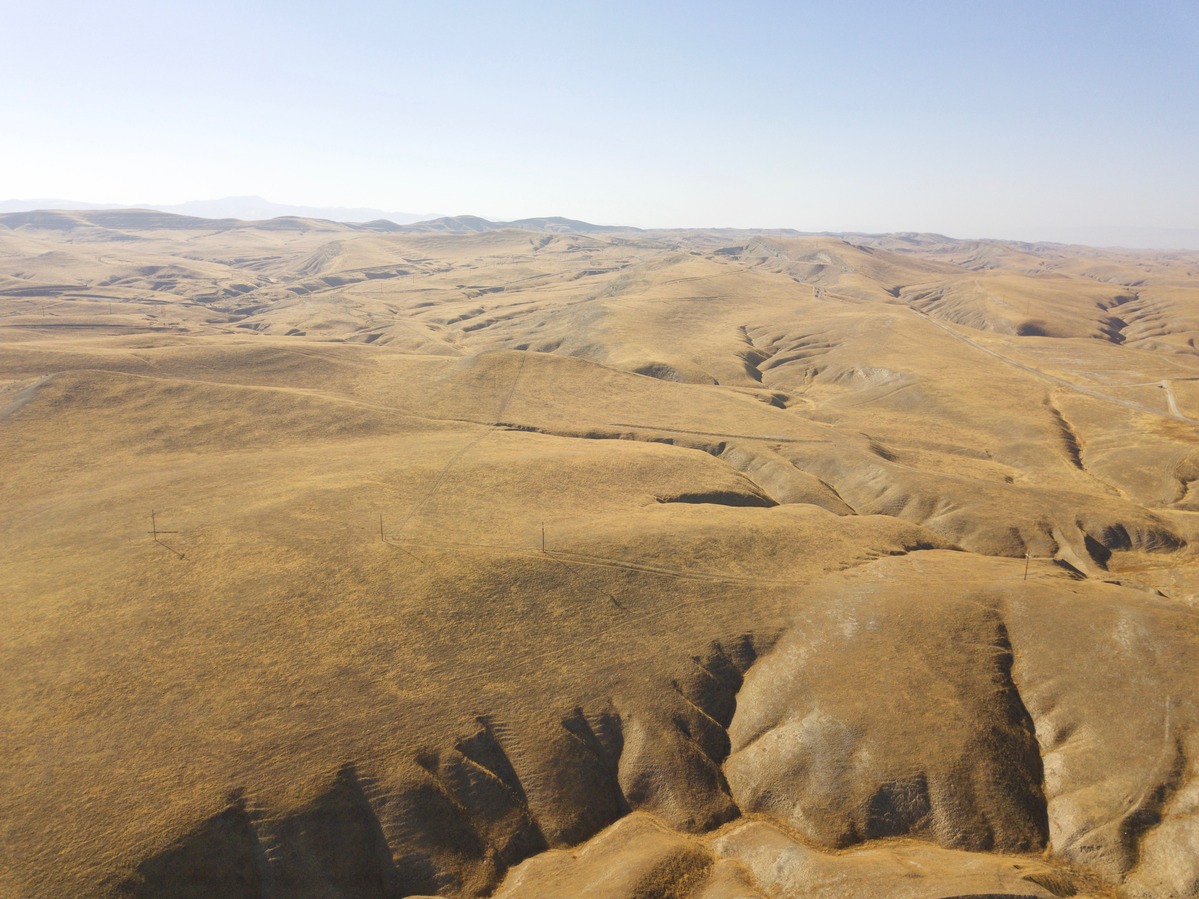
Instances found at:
x=541 y=559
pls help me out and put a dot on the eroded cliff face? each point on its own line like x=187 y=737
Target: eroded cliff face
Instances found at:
x=998 y=735
x=342 y=563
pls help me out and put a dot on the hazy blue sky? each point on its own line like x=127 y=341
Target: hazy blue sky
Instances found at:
x=1006 y=119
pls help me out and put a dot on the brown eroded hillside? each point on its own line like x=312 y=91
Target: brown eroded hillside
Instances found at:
x=546 y=560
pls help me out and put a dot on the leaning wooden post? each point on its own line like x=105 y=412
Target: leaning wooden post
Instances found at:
x=1027 y=557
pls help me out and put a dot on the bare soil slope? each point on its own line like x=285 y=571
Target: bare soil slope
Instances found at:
x=555 y=561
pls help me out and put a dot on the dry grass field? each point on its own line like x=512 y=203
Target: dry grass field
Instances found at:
x=556 y=561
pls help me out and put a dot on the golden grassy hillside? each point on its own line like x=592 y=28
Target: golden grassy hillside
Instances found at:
x=545 y=561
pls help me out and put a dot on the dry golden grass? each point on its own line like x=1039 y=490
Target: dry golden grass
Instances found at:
x=601 y=564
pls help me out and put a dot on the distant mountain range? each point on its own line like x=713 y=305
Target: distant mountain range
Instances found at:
x=245 y=208
x=145 y=219
x=1126 y=236
x=281 y=216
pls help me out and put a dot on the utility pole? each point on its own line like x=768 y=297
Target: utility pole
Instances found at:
x=154 y=532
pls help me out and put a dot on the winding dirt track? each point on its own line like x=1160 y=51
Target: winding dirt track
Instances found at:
x=1062 y=382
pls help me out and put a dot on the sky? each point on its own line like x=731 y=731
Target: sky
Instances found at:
x=975 y=119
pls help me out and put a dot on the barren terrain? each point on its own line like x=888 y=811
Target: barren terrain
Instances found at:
x=548 y=560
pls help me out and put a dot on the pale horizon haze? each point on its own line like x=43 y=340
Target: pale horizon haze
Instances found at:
x=1019 y=120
